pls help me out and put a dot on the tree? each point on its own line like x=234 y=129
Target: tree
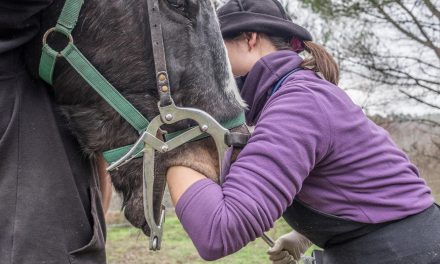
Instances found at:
x=392 y=43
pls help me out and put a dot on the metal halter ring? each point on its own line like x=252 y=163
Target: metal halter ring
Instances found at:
x=51 y=30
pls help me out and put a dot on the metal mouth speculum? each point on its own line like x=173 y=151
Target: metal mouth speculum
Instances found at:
x=169 y=115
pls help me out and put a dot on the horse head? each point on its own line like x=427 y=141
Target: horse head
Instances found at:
x=115 y=37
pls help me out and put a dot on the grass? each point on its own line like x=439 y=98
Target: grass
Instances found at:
x=126 y=245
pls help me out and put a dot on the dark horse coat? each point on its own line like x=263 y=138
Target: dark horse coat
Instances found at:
x=50 y=209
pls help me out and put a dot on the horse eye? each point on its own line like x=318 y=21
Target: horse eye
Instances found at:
x=179 y=4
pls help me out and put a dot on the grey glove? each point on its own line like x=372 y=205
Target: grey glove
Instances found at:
x=288 y=248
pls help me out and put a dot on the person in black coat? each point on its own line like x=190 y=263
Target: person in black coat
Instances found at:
x=50 y=209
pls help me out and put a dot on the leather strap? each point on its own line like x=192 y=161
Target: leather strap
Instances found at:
x=238 y=140
x=162 y=79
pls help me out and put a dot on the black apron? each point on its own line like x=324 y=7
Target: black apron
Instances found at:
x=50 y=207
x=412 y=240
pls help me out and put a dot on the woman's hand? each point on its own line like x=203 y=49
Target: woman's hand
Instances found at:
x=289 y=248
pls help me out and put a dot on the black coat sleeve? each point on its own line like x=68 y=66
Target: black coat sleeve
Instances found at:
x=19 y=22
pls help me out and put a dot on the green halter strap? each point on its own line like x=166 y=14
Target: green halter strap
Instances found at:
x=65 y=24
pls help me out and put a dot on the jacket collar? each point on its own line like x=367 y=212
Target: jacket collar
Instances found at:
x=263 y=76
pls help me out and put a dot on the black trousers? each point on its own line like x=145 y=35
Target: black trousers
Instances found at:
x=50 y=208
x=413 y=240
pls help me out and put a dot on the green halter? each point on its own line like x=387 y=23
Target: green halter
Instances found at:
x=65 y=24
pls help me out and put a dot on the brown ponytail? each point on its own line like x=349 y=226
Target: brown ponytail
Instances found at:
x=321 y=61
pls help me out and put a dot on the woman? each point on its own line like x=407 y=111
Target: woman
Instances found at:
x=337 y=177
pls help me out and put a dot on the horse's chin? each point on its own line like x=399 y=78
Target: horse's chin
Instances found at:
x=134 y=212
x=145 y=229
x=200 y=156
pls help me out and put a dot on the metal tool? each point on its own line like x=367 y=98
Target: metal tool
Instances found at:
x=268 y=240
x=169 y=114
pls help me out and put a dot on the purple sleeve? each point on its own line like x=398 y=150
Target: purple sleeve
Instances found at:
x=291 y=136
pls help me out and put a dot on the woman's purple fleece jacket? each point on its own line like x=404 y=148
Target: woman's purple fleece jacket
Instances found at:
x=312 y=143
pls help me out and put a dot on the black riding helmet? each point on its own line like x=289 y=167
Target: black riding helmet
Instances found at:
x=265 y=16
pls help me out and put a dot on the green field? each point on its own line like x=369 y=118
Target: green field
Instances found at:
x=126 y=245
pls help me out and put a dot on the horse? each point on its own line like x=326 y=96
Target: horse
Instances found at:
x=115 y=37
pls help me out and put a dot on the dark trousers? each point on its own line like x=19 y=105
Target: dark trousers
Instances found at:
x=413 y=240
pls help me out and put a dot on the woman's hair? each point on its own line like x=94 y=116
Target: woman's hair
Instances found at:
x=319 y=60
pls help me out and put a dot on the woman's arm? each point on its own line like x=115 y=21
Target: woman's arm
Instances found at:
x=179 y=179
x=290 y=138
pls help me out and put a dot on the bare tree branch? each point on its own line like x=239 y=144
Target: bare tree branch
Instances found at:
x=388 y=75
x=426 y=121
x=416 y=21
x=432 y=8
x=419 y=100
x=404 y=31
x=402 y=57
